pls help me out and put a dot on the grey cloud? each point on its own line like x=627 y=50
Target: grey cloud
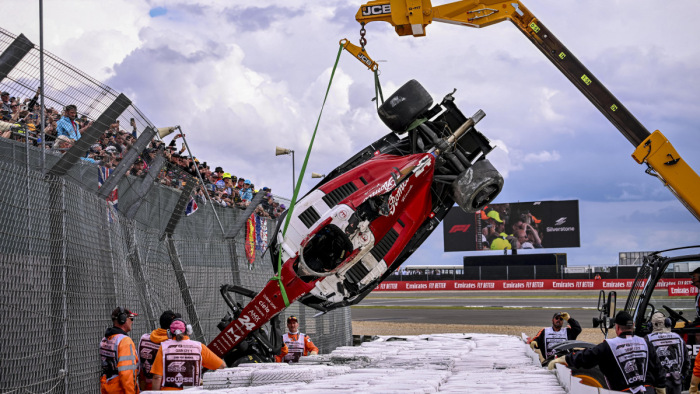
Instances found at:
x=345 y=17
x=257 y=18
x=164 y=54
x=194 y=9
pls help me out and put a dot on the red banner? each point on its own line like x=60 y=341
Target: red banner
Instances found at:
x=250 y=239
x=543 y=284
x=682 y=290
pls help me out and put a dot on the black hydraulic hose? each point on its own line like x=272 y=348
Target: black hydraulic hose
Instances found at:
x=462 y=158
x=449 y=178
x=455 y=161
x=431 y=134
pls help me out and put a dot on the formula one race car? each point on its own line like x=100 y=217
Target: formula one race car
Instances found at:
x=372 y=212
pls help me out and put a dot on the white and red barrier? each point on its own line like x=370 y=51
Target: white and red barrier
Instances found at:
x=531 y=284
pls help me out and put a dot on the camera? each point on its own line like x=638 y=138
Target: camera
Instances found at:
x=525 y=217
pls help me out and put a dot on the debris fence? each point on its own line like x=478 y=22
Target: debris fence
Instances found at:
x=69 y=257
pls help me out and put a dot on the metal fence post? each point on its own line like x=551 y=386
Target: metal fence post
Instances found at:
x=184 y=289
x=64 y=287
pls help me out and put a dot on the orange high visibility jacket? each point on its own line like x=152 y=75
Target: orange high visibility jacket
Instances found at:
x=297 y=345
x=119 y=365
x=163 y=365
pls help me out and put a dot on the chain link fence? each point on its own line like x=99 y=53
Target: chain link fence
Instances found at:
x=68 y=258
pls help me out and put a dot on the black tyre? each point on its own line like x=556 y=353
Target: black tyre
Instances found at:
x=477 y=186
x=590 y=377
x=405 y=105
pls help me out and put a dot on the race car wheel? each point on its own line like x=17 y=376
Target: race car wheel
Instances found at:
x=477 y=186
x=590 y=377
x=405 y=105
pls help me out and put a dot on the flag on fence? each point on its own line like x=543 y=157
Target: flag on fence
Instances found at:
x=113 y=198
x=102 y=174
x=191 y=207
x=260 y=233
x=250 y=239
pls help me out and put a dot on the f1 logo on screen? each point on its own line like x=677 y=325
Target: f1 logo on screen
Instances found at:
x=460 y=228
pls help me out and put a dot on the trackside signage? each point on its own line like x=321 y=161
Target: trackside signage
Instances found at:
x=676 y=287
x=682 y=290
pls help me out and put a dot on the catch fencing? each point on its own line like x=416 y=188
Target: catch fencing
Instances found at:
x=68 y=257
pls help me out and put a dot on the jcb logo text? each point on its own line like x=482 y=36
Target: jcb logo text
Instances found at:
x=376 y=10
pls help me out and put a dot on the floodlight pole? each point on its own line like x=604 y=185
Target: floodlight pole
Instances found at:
x=294 y=181
x=199 y=175
x=41 y=86
x=285 y=151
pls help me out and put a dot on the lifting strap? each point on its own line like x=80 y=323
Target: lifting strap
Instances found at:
x=378 y=95
x=278 y=277
x=361 y=54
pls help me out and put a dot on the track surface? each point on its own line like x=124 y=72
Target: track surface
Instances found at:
x=480 y=308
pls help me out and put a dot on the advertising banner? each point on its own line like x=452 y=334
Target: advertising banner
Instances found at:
x=682 y=290
x=532 y=284
x=523 y=225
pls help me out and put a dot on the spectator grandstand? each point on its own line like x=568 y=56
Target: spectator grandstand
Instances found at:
x=22 y=122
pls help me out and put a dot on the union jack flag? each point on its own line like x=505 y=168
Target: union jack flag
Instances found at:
x=191 y=207
x=113 y=199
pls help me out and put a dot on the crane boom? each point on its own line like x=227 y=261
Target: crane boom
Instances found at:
x=411 y=17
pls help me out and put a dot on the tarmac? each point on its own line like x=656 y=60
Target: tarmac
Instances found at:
x=526 y=308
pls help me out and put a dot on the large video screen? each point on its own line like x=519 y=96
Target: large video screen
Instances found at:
x=522 y=225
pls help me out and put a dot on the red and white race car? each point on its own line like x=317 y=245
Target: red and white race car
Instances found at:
x=367 y=216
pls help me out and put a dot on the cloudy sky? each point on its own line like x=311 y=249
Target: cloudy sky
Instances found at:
x=242 y=77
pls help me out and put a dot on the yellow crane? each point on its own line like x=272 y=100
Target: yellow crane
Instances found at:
x=411 y=17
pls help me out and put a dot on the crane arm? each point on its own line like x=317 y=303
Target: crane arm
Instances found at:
x=359 y=54
x=411 y=17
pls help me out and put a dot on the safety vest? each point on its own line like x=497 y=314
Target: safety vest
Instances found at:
x=553 y=338
x=182 y=363
x=108 y=355
x=295 y=347
x=671 y=351
x=632 y=355
x=147 y=354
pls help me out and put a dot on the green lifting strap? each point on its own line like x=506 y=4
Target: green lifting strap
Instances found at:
x=416 y=123
x=278 y=277
x=378 y=95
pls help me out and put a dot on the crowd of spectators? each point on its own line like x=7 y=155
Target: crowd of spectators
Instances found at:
x=503 y=231
x=222 y=187
x=63 y=128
